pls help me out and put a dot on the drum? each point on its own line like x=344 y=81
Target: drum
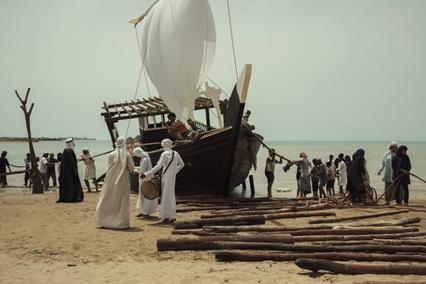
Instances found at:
x=150 y=189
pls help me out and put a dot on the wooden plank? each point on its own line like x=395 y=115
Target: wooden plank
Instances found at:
x=316 y=265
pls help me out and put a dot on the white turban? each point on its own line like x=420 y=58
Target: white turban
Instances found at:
x=120 y=155
x=70 y=144
x=166 y=144
x=139 y=152
x=393 y=143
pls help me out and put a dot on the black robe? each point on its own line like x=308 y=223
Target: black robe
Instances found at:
x=70 y=189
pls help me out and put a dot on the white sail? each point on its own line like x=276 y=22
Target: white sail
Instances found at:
x=178 y=46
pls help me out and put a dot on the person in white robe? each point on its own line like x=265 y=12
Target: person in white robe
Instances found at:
x=113 y=207
x=342 y=175
x=145 y=207
x=171 y=163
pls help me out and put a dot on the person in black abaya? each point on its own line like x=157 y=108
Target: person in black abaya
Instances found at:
x=356 y=172
x=70 y=189
x=401 y=166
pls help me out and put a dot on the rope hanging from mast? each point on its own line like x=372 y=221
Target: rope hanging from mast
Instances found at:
x=232 y=39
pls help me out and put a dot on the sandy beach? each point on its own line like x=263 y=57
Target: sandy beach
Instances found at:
x=45 y=242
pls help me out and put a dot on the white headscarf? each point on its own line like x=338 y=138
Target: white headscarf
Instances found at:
x=166 y=144
x=120 y=155
x=139 y=152
x=70 y=144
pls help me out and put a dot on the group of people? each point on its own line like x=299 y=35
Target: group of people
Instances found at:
x=113 y=208
x=351 y=174
x=49 y=167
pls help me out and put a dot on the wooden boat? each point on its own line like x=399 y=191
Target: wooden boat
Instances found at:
x=216 y=163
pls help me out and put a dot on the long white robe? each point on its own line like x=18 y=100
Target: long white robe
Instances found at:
x=342 y=173
x=113 y=207
x=168 y=181
x=143 y=205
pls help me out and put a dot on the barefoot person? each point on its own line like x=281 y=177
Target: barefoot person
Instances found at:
x=145 y=207
x=69 y=182
x=113 y=207
x=401 y=166
x=386 y=169
x=171 y=163
x=90 y=173
x=270 y=168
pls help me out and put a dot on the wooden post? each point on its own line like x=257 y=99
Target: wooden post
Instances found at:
x=35 y=174
x=208 y=118
x=252 y=189
x=244 y=185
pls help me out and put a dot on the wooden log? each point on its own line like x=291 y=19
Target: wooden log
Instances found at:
x=375 y=242
x=345 y=268
x=199 y=244
x=229 y=208
x=252 y=188
x=199 y=223
x=256 y=229
x=359 y=217
x=355 y=231
x=297 y=215
x=268 y=211
x=212 y=200
x=263 y=238
x=337 y=256
x=400 y=222
x=356 y=237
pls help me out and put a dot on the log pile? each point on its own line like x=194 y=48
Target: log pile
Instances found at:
x=241 y=230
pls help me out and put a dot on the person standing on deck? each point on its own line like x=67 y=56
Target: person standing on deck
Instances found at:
x=171 y=163
x=3 y=164
x=270 y=169
x=51 y=169
x=113 y=208
x=401 y=165
x=90 y=172
x=145 y=207
x=42 y=167
x=386 y=168
x=27 y=177
x=70 y=189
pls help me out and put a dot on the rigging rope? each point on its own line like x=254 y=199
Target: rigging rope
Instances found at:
x=141 y=70
x=232 y=39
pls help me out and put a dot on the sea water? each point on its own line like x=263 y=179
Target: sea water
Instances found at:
x=285 y=183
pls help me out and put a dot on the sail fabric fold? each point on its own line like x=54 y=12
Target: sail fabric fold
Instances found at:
x=178 y=45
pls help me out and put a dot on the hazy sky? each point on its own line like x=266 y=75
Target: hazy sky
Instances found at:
x=322 y=69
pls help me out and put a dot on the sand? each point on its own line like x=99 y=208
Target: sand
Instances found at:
x=45 y=242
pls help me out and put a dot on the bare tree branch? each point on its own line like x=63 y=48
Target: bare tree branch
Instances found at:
x=19 y=97
x=27 y=94
x=31 y=109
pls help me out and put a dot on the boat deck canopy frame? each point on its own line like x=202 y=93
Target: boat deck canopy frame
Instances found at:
x=147 y=107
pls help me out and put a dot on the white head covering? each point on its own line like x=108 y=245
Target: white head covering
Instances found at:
x=120 y=155
x=70 y=144
x=139 y=152
x=166 y=144
x=393 y=143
